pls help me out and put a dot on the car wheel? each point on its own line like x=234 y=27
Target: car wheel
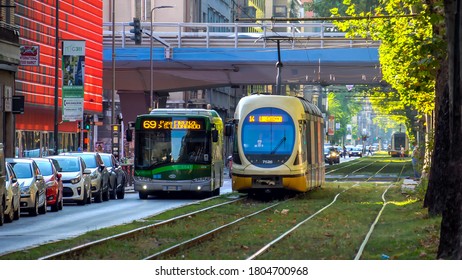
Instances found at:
x=34 y=211
x=43 y=209
x=106 y=193
x=84 y=200
x=55 y=207
x=2 y=214
x=121 y=195
x=61 y=204
x=99 y=195
x=17 y=213
x=143 y=195
x=10 y=217
x=89 y=196
x=113 y=194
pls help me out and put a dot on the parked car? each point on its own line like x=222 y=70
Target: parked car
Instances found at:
x=75 y=178
x=331 y=155
x=13 y=195
x=33 y=190
x=99 y=174
x=2 y=186
x=356 y=152
x=118 y=178
x=53 y=182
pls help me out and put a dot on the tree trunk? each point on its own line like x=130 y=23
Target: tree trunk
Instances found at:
x=435 y=196
x=450 y=246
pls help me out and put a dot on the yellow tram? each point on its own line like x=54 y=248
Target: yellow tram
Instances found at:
x=278 y=144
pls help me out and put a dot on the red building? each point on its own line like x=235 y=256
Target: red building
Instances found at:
x=78 y=20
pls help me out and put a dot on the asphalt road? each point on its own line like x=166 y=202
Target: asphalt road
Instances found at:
x=75 y=220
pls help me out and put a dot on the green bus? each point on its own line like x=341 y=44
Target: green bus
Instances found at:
x=178 y=150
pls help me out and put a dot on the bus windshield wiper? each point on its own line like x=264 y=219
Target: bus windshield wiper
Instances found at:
x=278 y=145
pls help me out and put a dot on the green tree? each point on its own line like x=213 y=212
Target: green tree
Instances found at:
x=321 y=8
x=343 y=107
x=419 y=74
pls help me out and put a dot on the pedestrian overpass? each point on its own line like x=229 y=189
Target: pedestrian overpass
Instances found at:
x=187 y=56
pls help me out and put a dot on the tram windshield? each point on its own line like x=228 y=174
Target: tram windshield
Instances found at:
x=165 y=147
x=268 y=136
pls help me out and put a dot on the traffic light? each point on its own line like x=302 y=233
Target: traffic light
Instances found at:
x=128 y=135
x=87 y=123
x=136 y=30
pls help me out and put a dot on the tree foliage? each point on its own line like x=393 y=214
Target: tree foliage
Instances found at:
x=343 y=108
x=321 y=8
x=408 y=54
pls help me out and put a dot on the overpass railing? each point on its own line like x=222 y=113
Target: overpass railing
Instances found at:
x=234 y=35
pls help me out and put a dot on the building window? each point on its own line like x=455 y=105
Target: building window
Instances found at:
x=280 y=11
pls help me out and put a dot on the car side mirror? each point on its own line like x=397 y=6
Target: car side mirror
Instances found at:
x=39 y=177
x=87 y=171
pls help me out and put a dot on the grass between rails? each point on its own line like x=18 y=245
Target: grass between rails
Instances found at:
x=369 y=165
x=403 y=232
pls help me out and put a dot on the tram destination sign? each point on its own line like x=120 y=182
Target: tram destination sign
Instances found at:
x=172 y=124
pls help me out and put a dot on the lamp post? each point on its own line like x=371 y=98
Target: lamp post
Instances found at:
x=56 y=122
x=150 y=59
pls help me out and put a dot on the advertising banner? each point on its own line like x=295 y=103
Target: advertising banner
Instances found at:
x=73 y=68
x=331 y=125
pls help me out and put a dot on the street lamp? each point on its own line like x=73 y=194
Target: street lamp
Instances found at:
x=150 y=58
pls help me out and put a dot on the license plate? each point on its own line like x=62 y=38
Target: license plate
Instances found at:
x=172 y=188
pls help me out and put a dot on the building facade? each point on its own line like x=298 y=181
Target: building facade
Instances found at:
x=41 y=82
x=9 y=62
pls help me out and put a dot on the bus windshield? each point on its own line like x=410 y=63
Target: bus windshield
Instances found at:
x=163 y=147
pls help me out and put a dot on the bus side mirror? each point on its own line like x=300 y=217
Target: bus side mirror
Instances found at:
x=215 y=135
x=229 y=128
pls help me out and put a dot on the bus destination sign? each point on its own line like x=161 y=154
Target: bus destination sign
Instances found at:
x=171 y=124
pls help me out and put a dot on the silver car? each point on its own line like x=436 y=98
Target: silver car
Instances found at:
x=33 y=190
x=13 y=195
x=76 y=179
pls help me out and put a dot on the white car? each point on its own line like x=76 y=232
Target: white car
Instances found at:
x=33 y=189
x=13 y=195
x=99 y=174
x=76 y=179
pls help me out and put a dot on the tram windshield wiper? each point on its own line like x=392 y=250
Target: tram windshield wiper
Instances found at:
x=278 y=145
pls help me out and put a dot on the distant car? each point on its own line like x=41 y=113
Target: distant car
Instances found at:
x=331 y=155
x=99 y=174
x=53 y=181
x=356 y=152
x=75 y=178
x=118 y=178
x=33 y=190
x=13 y=195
